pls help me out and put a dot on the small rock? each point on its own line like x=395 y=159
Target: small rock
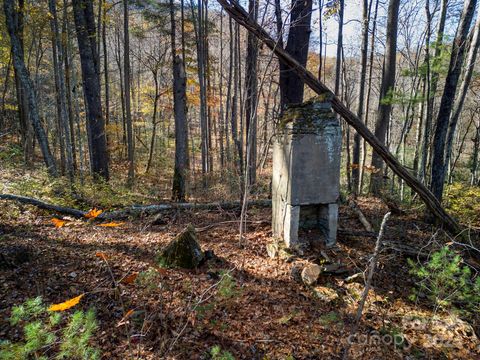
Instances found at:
x=73 y=274
x=272 y=249
x=310 y=273
x=325 y=293
x=296 y=272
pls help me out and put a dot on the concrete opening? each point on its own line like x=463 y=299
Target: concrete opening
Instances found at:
x=306 y=174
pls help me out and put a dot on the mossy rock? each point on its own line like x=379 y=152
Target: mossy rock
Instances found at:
x=184 y=251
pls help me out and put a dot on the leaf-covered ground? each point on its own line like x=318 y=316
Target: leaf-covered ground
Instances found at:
x=259 y=312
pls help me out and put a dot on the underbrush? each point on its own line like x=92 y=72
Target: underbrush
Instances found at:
x=49 y=335
x=61 y=192
x=222 y=185
x=447 y=283
x=463 y=202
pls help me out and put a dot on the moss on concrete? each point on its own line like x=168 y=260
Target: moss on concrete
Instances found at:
x=311 y=116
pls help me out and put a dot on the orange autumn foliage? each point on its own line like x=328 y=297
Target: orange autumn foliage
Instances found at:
x=101 y=255
x=58 y=222
x=123 y=320
x=66 y=305
x=129 y=279
x=112 y=224
x=93 y=213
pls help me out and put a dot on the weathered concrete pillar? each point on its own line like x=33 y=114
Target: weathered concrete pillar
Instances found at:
x=306 y=172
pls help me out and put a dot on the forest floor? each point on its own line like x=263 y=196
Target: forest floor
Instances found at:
x=261 y=312
x=242 y=301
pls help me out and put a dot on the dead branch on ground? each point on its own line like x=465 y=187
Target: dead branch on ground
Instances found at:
x=131 y=211
x=368 y=284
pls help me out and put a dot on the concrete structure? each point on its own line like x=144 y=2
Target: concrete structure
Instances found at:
x=306 y=172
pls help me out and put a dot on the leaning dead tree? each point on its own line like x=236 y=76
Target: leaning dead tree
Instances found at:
x=239 y=14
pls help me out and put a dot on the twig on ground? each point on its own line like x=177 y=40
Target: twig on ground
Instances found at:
x=368 y=284
x=366 y=224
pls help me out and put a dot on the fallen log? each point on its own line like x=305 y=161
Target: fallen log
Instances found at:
x=238 y=13
x=134 y=210
x=43 y=205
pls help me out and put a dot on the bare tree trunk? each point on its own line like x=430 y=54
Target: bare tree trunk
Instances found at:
x=68 y=85
x=228 y=106
x=59 y=53
x=211 y=127
x=105 y=64
x=22 y=102
x=236 y=80
x=4 y=95
x=118 y=58
x=199 y=32
x=128 y=111
x=460 y=98
x=180 y=113
x=154 y=122
x=338 y=60
x=446 y=104
x=432 y=82
x=474 y=170
x=221 y=117
x=419 y=129
x=369 y=91
x=251 y=98
x=387 y=87
x=291 y=85
x=320 y=36
x=460 y=149
x=59 y=131
x=26 y=83
x=76 y=106
x=361 y=97
x=85 y=28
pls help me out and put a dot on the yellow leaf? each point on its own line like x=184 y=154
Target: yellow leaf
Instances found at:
x=112 y=224
x=93 y=213
x=66 y=305
x=129 y=279
x=58 y=223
